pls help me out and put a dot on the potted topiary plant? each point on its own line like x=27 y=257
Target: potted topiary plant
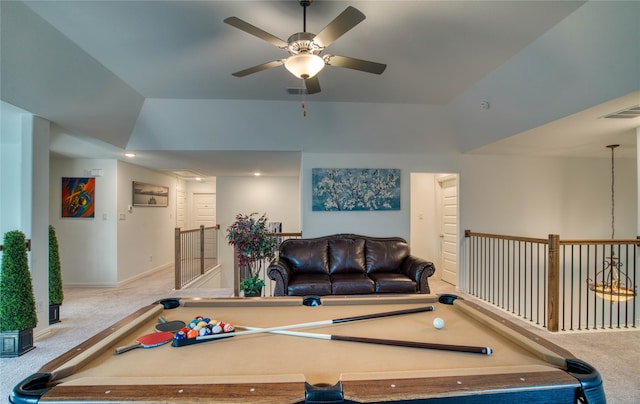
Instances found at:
x=17 y=306
x=253 y=247
x=56 y=295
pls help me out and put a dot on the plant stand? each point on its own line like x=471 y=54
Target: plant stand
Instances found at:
x=16 y=343
x=54 y=313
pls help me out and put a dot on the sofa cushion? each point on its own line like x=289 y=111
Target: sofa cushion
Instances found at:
x=393 y=283
x=304 y=284
x=306 y=256
x=351 y=283
x=385 y=256
x=346 y=255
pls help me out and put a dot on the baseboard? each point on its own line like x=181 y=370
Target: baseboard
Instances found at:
x=205 y=278
x=120 y=283
x=90 y=285
x=41 y=333
x=145 y=274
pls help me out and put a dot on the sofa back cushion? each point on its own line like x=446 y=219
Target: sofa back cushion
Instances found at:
x=306 y=256
x=346 y=256
x=385 y=256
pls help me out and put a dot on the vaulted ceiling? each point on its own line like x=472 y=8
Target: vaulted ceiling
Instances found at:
x=146 y=75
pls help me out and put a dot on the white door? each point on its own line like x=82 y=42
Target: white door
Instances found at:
x=204 y=210
x=449 y=229
x=204 y=214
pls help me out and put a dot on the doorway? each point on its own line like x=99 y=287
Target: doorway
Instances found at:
x=434 y=222
x=448 y=206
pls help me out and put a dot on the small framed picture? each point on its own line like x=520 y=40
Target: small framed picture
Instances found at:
x=150 y=195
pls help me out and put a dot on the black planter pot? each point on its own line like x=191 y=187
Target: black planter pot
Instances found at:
x=16 y=343
x=253 y=293
x=54 y=313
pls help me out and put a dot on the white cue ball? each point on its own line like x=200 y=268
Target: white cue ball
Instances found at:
x=438 y=323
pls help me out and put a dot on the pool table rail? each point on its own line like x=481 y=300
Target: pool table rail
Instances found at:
x=562 y=379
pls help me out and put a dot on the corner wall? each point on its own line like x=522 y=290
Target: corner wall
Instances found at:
x=145 y=236
x=87 y=246
x=24 y=186
x=116 y=245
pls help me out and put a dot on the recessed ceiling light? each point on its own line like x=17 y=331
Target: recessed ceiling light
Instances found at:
x=130 y=155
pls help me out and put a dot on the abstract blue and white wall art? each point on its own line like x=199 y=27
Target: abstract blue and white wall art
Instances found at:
x=348 y=189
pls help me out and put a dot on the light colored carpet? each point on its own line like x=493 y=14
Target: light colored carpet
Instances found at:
x=86 y=311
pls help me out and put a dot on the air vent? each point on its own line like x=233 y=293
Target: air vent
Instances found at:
x=628 y=113
x=186 y=174
x=296 y=91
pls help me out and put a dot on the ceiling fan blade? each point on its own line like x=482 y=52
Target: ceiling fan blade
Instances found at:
x=355 y=64
x=312 y=85
x=348 y=19
x=255 y=31
x=258 y=68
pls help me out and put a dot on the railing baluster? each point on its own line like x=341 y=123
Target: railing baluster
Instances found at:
x=524 y=276
x=195 y=253
x=634 y=254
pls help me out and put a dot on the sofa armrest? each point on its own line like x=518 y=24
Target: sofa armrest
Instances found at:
x=418 y=270
x=280 y=272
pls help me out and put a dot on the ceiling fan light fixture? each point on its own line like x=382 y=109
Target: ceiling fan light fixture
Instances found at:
x=304 y=65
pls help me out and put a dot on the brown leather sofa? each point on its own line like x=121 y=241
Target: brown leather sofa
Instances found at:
x=347 y=264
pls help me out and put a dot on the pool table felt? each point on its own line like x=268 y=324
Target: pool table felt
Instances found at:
x=261 y=358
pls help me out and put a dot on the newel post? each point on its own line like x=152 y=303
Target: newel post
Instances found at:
x=236 y=273
x=553 y=282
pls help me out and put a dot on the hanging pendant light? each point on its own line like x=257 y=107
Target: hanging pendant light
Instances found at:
x=615 y=286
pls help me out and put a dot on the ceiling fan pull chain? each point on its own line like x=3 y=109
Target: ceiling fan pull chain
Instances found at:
x=303 y=93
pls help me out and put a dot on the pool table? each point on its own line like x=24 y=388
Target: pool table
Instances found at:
x=270 y=367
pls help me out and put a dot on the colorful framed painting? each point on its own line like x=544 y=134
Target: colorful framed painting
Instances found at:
x=349 y=189
x=150 y=195
x=78 y=197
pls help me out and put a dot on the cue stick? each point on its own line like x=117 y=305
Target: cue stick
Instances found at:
x=408 y=344
x=205 y=338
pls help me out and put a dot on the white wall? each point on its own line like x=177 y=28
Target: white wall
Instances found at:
x=538 y=196
x=515 y=195
x=145 y=238
x=88 y=249
x=586 y=200
x=116 y=245
x=10 y=157
x=278 y=197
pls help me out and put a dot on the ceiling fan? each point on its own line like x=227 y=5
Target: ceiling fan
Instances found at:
x=305 y=60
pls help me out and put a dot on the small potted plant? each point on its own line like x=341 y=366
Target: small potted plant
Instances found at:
x=253 y=247
x=56 y=294
x=17 y=307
